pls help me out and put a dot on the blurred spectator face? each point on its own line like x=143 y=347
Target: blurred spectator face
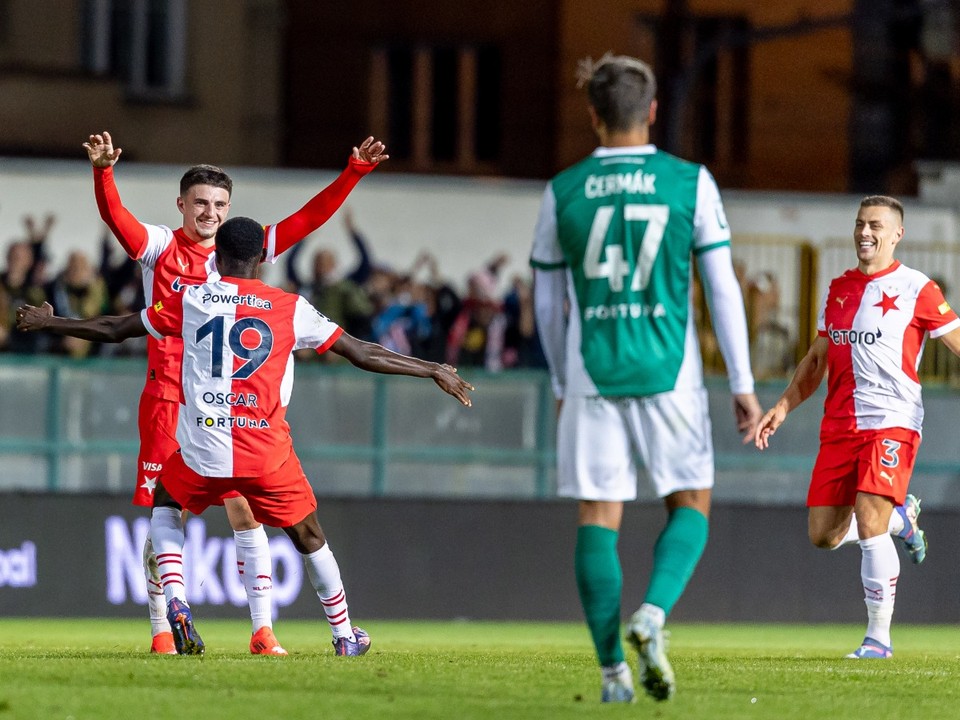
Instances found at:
x=324 y=263
x=482 y=285
x=19 y=257
x=79 y=271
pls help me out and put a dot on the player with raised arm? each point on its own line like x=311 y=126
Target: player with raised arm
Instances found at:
x=238 y=337
x=870 y=336
x=172 y=260
x=615 y=242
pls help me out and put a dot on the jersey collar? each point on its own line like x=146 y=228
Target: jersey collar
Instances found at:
x=602 y=151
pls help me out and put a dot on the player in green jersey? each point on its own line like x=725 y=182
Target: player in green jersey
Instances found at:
x=612 y=255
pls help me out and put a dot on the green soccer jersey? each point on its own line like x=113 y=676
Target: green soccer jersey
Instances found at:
x=626 y=223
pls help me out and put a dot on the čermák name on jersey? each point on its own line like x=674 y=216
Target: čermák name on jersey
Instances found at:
x=623 y=310
x=635 y=183
x=251 y=300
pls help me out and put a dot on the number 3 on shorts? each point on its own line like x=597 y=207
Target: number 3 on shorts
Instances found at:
x=890 y=458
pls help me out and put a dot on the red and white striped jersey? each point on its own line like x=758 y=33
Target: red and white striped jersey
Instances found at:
x=237 y=374
x=876 y=326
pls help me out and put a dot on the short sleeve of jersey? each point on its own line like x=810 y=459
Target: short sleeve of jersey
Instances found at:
x=313 y=329
x=822 y=316
x=933 y=312
x=710 y=228
x=270 y=244
x=165 y=317
x=546 y=253
x=159 y=238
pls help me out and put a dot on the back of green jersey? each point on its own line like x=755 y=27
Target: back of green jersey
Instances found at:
x=627 y=226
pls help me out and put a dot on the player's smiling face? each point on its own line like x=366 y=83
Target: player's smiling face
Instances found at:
x=204 y=207
x=875 y=235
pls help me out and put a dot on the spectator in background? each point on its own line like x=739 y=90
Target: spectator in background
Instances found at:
x=78 y=292
x=340 y=298
x=477 y=335
x=23 y=282
x=521 y=342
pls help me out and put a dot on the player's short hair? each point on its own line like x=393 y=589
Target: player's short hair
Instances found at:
x=883 y=201
x=620 y=88
x=240 y=239
x=205 y=175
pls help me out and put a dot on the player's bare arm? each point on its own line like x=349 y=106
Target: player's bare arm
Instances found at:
x=807 y=378
x=107 y=328
x=952 y=341
x=376 y=358
x=100 y=150
x=371 y=151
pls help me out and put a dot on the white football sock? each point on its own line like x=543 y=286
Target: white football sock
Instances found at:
x=256 y=570
x=894 y=528
x=166 y=530
x=879 y=572
x=156 y=602
x=324 y=574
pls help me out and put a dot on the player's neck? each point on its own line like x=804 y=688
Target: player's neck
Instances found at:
x=872 y=268
x=639 y=135
x=194 y=238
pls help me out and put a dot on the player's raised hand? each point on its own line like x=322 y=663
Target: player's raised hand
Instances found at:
x=768 y=425
x=370 y=151
x=31 y=318
x=100 y=150
x=447 y=380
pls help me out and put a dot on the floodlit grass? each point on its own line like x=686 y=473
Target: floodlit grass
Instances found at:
x=99 y=669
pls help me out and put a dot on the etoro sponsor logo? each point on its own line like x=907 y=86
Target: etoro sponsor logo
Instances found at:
x=853 y=337
x=18 y=566
x=209 y=565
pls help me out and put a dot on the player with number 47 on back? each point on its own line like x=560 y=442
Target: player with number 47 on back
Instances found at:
x=615 y=243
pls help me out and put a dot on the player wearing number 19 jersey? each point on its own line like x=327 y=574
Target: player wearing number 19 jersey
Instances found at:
x=870 y=336
x=615 y=242
x=170 y=261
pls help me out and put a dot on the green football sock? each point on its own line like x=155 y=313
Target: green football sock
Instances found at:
x=600 y=580
x=675 y=556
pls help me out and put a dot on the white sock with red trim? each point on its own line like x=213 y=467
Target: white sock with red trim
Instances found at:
x=324 y=574
x=166 y=531
x=156 y=602
x=256 y=570
x=879 y=571
x=895 y=527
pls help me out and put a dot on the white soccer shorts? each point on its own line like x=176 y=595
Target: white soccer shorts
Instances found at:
x=599 y=443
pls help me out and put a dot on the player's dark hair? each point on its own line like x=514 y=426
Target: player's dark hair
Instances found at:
x=240 y=239
x=205 y=175
x=883 y=201
x=621 y=90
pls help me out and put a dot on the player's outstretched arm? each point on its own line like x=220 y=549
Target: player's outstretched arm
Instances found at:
x=376 y=358
x=106 y=328
x=289 y=231
x=952 y=341
x=101 y=151
x=806 y=379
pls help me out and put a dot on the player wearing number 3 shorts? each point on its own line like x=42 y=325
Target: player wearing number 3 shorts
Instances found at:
x=613 y=256
x=870 y=335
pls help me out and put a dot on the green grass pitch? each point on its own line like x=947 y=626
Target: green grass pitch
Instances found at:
x=99 y=669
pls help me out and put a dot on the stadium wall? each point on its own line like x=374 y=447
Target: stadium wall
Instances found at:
x=477 y=560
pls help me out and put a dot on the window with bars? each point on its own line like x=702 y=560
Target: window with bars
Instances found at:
x=140 y=42
x=439 y=105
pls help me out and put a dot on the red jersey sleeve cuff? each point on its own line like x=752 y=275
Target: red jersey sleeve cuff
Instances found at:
x=321 y=349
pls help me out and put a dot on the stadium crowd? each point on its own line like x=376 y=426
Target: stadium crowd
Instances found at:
x=414 y=311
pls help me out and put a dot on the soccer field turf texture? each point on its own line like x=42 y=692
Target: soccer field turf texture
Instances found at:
x=100 y=669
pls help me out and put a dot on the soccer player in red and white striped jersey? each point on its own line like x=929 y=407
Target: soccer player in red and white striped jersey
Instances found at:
x=239 y=336
x=870 y=337
x=172 y=260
